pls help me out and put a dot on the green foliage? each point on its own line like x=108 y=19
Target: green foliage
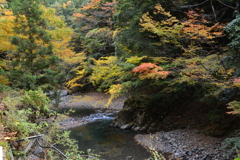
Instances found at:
x=37 y=101
x=56 y=135
x=99 y=40
x=18 y=120
x=95 y=24
x=33 y=64
x=207 y=72
x=156 y=155
x=237 y=158
x=128 y=40
x=213 y=115
x=4 y=88
x=189 y=48
x=231 y=144
x=232 y=29
x=24 y=109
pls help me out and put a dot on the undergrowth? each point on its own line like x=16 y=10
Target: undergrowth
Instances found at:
x=26 y=114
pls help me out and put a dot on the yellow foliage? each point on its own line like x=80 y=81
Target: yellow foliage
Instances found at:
x=6 y=30
x=114 y=91
x=60 y=33
x=167 y=30
x=106 y=71
x=125 y=48
x=64 y=5
x=4 y=80
x=235 y=106
x=75 y=81
x=135 y=59
x=207 y=72
x=161 y=59
x=61 y=36
x=80 y=70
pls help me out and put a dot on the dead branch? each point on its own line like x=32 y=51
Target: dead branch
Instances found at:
x=226 y=5
x=191 y=6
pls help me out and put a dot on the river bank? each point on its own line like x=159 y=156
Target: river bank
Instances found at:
x=181 y=144
x=185 y=144
x=91 y=100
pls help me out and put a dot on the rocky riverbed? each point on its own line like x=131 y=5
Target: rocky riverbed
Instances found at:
x=184 y=144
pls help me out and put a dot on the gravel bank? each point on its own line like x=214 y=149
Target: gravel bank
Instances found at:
x=91 y=100
x=185 y=145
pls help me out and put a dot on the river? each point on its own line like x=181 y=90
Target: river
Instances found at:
x=109 y=142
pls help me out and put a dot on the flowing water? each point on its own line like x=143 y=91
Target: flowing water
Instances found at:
x=109 y=142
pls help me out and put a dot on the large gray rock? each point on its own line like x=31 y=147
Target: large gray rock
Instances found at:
x=127 y=126
x=137 y=119
x=123 y=117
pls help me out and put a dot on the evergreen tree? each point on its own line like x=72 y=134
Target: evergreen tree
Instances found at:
x=33 y=64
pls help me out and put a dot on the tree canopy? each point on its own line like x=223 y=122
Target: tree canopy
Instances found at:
x=158 y=53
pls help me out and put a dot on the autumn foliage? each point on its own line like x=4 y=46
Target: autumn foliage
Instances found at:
x=196 y=26
x=150 y=71
x=95 y=12
x=167 y=30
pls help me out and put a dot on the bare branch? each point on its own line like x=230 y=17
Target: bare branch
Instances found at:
x=51 y=146
x=214 y=13
x=195 y=5
x=226 y=5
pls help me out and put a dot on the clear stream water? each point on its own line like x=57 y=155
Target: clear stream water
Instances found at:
x=109 y=142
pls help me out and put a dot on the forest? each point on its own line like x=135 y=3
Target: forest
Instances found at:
x=177 y=62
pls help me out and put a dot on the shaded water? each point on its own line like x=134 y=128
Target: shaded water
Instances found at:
x=103 y=139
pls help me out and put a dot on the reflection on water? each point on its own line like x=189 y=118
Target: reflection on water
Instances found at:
x=79 y=113
x=109 y=142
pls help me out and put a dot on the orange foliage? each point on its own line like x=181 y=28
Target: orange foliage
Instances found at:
x=69 y=3
x=93 y=4
x=78 y=15
x=197 y=29
x=108 y=6
x=94 y=9
x=150 y=71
